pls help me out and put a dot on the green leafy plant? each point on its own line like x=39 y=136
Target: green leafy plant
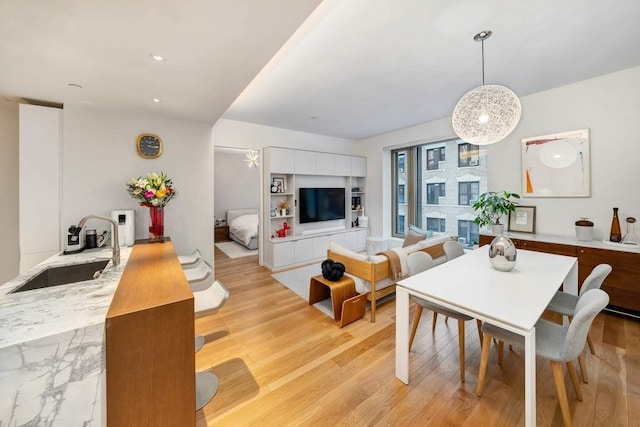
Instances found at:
x=492 y=205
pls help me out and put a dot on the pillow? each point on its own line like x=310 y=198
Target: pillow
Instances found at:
x=412 y=238
x=419 y=230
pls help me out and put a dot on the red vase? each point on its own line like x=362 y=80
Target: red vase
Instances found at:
x=156 y=224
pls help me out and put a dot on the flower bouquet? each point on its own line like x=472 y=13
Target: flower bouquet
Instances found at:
x=153 y=191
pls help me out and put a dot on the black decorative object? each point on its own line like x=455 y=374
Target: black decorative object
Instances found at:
x=332 y=270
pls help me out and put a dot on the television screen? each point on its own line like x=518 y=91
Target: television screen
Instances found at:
x=321 y=204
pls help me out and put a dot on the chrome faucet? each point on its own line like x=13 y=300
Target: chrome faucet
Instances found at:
x=114 y=240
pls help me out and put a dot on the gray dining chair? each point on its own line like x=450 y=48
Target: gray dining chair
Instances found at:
x=207 y=302
x=418 y=262
x=557 y=343
x=565 y=304
x=452 y=249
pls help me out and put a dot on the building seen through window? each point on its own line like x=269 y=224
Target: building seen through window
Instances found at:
x=434 y=186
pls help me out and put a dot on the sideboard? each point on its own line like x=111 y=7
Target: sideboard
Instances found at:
x=622 y=285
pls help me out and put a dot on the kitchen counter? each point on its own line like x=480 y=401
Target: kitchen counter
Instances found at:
x=52 y=346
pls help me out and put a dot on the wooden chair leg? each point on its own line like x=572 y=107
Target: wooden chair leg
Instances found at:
x=414 y=328
x=500 y=352
x=591 y=347
x=556 y=368
x=484 y=359
x=583 y=369
x=461 y=348
x=446 y=319
x=574 y=379
x=479 y=324
x=433 y=323
x=373 y=307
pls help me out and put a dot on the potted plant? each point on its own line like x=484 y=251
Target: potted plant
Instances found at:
x=492 y=206
x=283 y=205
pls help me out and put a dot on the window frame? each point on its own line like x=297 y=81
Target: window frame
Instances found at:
x=472 y=149
x=469 y=193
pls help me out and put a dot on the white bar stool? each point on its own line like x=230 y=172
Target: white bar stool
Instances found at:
x=191 y=259
x=207 y=302
x=199 y=273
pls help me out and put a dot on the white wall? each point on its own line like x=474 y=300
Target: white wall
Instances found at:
x=9 y=250
x=99 y=156
x=39 y=184
x=609 y=105
x=237 y=186
x=232 y=133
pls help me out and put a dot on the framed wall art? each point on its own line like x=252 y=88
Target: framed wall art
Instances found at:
x=278 y=184
x=557 y=165
x=523 y=219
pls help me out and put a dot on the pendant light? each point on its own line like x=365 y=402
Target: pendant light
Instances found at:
x=488 y=113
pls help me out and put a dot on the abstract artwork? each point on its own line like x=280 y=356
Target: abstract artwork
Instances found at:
x=556 y=165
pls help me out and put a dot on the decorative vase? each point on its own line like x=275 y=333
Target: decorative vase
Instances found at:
x=156 y=224
x=497 y=229
x=283 y=212
x=616 y=234
x=502 y=253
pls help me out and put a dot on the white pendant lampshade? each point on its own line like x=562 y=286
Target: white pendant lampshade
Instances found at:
x=488 y=113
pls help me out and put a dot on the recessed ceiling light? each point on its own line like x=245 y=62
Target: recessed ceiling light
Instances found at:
x=75 y=85
x=156 y=100
x=157 y=58
x=313 y=117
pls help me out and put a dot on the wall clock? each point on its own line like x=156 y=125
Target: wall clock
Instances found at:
x=149 y=146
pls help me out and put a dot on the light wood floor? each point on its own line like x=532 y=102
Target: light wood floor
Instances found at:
x=283 y=362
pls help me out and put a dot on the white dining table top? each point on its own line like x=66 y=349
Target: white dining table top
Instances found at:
x=472 y=286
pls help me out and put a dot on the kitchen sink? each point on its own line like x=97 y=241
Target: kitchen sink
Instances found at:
x=54 y=276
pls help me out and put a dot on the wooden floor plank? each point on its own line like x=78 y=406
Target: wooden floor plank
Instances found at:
x=283 y=362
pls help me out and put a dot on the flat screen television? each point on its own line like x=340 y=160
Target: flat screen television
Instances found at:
x=321 y=204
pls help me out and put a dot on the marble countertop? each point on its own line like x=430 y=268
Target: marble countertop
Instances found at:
x=30 y=315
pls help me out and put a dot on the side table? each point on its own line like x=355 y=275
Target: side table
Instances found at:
x=348 y=305
x=221 y=233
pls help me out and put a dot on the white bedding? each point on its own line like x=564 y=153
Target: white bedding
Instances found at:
x=244 y=227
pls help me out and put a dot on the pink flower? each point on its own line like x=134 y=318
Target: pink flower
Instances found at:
x=149 y=194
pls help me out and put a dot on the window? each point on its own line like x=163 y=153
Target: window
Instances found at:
x=434 y=191
x=434 y=156
x=436 y=224
x=425 y=187
x=469 y=231
x=468 y=193
x=468 y=155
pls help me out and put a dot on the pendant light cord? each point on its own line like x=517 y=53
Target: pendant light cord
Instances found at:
x=482 y=62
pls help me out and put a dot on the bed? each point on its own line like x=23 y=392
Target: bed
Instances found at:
x=243 y=227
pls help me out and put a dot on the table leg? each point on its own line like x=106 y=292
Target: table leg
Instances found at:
x=530 y=378
x=402 y=334
x=570 y=284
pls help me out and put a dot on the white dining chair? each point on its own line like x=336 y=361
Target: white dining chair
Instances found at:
x=452 y=249
x=557 y=343
x=418 y=262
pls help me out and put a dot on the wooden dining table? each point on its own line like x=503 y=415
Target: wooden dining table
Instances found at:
x=512 y=300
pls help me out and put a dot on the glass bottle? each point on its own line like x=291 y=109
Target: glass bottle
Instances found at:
x=630 y=238
x=616 y=234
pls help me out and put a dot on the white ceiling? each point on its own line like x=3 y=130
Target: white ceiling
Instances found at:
x=366 y=67
x=360 y=67
x=214 y=48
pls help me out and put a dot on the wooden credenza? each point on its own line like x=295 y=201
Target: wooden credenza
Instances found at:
x=622 y=285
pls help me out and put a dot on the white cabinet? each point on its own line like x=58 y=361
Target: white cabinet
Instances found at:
x=283 y=254
x=325 y=164
x=305 y=162
x=280 y=160
x=303 y=250
x=320 y=246
x=358 y=166
x=343 y=165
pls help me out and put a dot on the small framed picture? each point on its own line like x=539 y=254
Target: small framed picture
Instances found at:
x=523 y=219
x=278 y=184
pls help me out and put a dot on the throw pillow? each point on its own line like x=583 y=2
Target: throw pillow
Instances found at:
x=419 y=230
x=412 y=238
